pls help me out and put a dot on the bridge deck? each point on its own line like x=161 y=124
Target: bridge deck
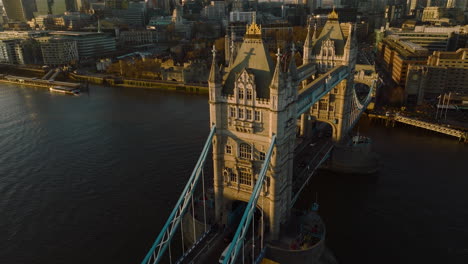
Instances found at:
x=307 y=161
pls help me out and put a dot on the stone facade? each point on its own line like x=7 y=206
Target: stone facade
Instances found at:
x=255 y=99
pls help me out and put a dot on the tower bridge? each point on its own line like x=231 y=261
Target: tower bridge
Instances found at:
x=255 y=104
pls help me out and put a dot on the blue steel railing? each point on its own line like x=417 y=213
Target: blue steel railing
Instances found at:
x=361 y=107
x=165 y=236
x=237 y=241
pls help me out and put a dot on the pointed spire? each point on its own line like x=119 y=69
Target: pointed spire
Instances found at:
x=213 y=77
x=350 y=36
x=231 y=46
x=314 y=37
x=307 y=41
x=292 y=62
x=277 y=80
x=333 y=15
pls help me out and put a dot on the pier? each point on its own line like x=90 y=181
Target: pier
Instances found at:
x=390 y=119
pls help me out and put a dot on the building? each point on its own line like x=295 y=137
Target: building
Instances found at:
x=90 y=44
x=58 y=51
x=394 y=12
x=215 y=11
x=396 y=55
x=444 y=72
x=116 y=4
x=430 y=37
x=443 y=16
x=20 y=51
x=42 y=8
x=8 y=51
x=241 y=16
x=19 y=10
x=135 y=14
x=139 y=37
x=461 y=4
x=334 y=46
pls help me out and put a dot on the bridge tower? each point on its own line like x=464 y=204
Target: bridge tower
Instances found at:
x=336 y=45
x=251 y=102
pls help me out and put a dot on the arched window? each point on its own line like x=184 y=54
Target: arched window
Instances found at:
x=245 y=151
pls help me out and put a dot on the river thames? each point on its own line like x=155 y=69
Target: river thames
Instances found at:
x=92 y=179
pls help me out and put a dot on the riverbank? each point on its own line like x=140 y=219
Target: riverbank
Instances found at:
x=25 y=73
x=145 y=84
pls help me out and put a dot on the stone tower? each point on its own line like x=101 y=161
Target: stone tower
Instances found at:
x=336 y=45
x=251 y=102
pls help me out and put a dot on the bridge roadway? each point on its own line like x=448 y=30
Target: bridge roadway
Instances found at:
x=309 y=154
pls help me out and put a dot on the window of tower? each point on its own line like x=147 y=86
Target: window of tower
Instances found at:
x=323 y=105
x=241 y=113
x=228 y=149
x=232 y=112
x=258 y=115
x=232 y=176
x=262 y=155
x=245 y=177
x=245 y=151
x=248 y=114
x=249 y=94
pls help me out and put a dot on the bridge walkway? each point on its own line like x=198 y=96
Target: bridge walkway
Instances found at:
x=308 y=159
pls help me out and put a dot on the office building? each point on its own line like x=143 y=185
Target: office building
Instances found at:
x=396 y=55
x=19 y=10
x=57 y=51
x=89 y=44
x=116 y=4
x=444 y=72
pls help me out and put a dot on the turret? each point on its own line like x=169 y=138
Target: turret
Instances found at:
x=214 y=79
x=292 y=69
x=307 y=46
x=277 y=85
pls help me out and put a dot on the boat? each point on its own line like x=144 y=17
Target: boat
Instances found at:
x=65 y=90
x=355 y=157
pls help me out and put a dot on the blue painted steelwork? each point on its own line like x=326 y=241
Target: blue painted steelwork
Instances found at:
x=237 y=241
x=361 y=107
x=260 y=257
x=311 y=94
x=328 y=149
x=165 y=236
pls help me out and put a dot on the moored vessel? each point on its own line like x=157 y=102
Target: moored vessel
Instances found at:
x=65 y=90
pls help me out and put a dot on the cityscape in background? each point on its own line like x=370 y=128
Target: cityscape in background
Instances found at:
x=287 y=83
x=420 y=45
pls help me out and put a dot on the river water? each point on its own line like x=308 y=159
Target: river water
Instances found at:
x=92 y=179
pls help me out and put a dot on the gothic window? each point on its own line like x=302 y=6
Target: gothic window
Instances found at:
x=323 y=105
x=248 y=114
x=249 y=94
x=245 y=177
x=241 y=113
x=245 y=151
x=331 y=108
x=241 y=93
x=262 y=155
x=232 y=112
x=232 y=176
x=315 y=106
x=228 y=149
x=257 y=116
